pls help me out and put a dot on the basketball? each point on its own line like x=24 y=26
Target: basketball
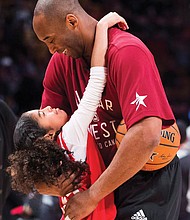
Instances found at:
x=164 y=152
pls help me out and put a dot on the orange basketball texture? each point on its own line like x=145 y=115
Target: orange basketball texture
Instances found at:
x=164 y=152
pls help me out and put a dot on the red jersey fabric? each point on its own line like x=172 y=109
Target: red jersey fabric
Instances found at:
x=133 y=90
x=106 y=209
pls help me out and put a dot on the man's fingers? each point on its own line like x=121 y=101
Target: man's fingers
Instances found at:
x=67 y=185
x=66 y=181
x=66 y=209
x=113 y=18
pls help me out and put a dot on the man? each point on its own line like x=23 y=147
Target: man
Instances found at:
x=7 y=124
x=134 y=92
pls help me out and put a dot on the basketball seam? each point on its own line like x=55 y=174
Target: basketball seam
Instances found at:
x=175 y=129
x=117 y=141
x=167 y=145
x=121 y=124
x=121 y=133
x=154 y=164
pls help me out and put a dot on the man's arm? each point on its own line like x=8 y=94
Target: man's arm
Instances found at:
x=140 y=141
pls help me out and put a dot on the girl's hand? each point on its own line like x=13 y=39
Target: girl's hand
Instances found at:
x=113 y=18
x=101 y=38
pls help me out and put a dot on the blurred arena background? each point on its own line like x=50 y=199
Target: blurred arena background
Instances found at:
x=164 y=26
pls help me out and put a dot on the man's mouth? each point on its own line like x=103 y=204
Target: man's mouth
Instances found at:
x=65 y=52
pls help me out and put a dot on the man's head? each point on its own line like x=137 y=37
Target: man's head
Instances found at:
x=63 y=26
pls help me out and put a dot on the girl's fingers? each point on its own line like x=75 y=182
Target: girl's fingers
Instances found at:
x=113 y=18
x=123 y=25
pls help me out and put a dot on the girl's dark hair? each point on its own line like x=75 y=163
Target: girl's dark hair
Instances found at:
x=43 y=163
x=26 y=132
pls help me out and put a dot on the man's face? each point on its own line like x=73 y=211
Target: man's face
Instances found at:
x=58 y=36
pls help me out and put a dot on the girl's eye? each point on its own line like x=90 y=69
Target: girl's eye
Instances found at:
x=51 y=41
x=41 y=113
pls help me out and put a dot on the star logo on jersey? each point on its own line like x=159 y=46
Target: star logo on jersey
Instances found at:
x=139 y=101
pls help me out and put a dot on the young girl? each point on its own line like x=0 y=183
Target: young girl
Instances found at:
x=39 y=164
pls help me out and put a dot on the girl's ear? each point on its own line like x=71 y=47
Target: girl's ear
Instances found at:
x=50 y=135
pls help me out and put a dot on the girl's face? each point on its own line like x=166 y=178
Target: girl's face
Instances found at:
x=49 y=118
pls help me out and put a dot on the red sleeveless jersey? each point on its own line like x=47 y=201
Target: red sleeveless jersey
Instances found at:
x=106 y=209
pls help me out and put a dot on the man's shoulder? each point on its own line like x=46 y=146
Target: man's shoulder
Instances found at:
x=119 y=39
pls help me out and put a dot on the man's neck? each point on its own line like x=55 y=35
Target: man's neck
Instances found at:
x=89 y=30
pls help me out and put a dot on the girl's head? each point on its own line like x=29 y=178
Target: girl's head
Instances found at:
x=38 y=162
x=36 y=124
x=42 y=164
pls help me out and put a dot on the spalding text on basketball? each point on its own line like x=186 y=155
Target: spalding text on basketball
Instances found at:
x=168 y=135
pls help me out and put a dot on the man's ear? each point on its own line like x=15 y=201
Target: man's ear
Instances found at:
x=71 y=21
x=50 y=135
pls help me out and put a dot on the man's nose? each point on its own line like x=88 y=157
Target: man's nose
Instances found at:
x=52 y=49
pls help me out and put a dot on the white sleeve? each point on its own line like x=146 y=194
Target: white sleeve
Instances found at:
x=76 y=129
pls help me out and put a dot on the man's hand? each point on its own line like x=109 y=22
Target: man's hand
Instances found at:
x=62 y=187
x=80 y=206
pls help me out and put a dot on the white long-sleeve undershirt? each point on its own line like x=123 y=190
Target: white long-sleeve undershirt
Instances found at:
x=75 y=131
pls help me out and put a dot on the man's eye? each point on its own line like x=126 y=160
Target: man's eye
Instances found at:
x=51 y=42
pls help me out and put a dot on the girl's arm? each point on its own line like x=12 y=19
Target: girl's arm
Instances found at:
x=101 y=37
x=75 y=130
